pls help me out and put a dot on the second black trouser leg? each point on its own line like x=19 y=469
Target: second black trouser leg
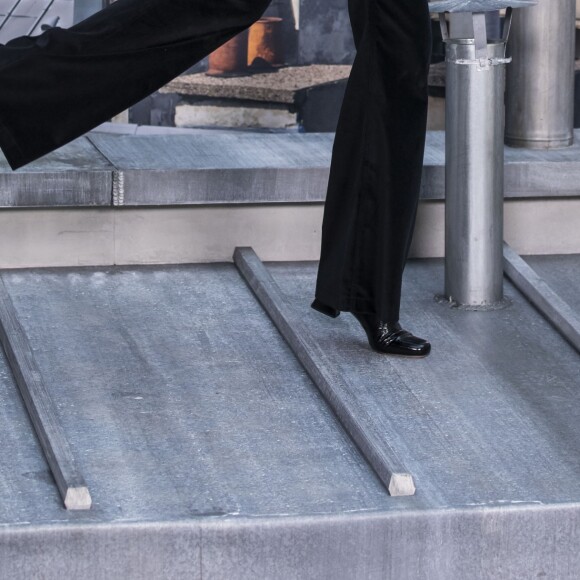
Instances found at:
x=56 y=86
x=377 y=159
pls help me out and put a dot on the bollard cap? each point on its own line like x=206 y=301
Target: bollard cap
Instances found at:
x=477 y=5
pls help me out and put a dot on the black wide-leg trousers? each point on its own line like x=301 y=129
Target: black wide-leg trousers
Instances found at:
x=56 y=86
x=377 y=159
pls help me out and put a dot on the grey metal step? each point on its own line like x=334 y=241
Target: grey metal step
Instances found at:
x=238 y=167
x=75 y=175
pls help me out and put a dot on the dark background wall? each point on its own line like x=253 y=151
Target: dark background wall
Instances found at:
x=325 y=35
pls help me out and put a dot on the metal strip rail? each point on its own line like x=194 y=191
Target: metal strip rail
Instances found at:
x=41 y=408
x=357 y=423
x=539 y=293
x=9 y=13
x=39 y=19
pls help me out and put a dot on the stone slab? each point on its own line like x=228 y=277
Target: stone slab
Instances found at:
x=227 y=114
x=279 y=86
x=116 y=128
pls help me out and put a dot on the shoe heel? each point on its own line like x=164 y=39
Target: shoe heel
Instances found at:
x=324 y=309
x=363 y=321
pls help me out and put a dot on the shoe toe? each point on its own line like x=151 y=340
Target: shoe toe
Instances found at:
x=412 y=345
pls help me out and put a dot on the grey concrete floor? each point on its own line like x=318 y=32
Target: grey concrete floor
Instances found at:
x=180 y=399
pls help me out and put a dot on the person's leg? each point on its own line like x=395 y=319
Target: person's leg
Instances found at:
x=62 y=83
x=377 y=160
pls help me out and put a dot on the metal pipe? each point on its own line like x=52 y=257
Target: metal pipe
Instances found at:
x=474 y=112
x=493 y=24
x=540 y=82
x=461 y=24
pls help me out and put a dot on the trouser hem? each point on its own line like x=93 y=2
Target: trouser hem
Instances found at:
x=358 y=305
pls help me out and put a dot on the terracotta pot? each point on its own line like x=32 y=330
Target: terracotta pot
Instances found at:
x=230 y=58
x=266 y=42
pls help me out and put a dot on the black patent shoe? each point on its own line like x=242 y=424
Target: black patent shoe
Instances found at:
x=390 y=338
x=385 y=337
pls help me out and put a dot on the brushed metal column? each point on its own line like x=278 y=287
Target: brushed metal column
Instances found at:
x=474 y=112
x=540 y=82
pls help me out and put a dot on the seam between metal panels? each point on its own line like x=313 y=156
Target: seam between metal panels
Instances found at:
x=40 y=407
x=554 y=309
x=118 y=188
x=370 y=441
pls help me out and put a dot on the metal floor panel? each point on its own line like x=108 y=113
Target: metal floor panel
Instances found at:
x=209 y=453
x=562 y=273
x=179 y=399
x=490 y=417
x=25 y=480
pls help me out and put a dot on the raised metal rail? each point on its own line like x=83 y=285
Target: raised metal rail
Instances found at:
x=372 y=444
x=41 y=409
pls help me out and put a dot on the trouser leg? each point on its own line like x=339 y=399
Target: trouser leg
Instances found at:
x=377 y=159
x=56 y=86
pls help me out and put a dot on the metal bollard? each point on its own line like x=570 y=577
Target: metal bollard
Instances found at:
x=474 y=135
x=540 y=83
x=474 y=174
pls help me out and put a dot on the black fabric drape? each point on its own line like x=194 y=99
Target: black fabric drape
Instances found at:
x=377 y=159
x=64 y=82
x=56 y=86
